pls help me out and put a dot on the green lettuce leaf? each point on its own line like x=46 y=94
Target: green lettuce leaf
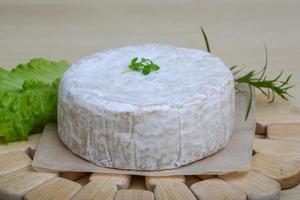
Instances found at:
x=28 y=97
x=36 y=69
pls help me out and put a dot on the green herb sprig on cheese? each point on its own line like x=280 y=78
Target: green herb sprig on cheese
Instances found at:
x=145 y=66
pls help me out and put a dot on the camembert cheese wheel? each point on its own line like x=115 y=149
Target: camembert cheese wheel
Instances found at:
x=169 y=118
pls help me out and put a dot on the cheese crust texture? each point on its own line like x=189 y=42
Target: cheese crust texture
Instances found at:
x=167 y=119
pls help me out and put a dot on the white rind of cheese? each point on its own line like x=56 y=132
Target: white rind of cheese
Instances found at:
x=169 y=118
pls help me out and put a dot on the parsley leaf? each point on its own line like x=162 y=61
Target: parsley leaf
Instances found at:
x=145 y=66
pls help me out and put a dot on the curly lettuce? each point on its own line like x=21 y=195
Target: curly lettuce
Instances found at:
x=28 y=97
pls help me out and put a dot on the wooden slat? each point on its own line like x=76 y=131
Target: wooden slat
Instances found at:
x=255 y=185
x=138 y=182
x=285 y=131
x=57 y=188
x=72 y=175
x=205 y=177
x=172 y=187
x=134 y=195
x=122 y=181
x=16 y=184
x=96 y=190
x=216 y=189
x=282 y=169
x=102 y=186
x=277 y=147
x=83 y=180
x=291 y=194
x=190 y=180
x=152 y=181
x=260 y=129
x=13 y=161
x=260 y=136
x=31 y=143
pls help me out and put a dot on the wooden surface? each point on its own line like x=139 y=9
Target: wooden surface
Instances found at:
x=62 y=29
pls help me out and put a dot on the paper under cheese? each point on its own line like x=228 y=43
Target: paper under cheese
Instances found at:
x=169 y=118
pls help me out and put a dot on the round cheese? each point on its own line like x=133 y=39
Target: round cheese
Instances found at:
x=169 y=118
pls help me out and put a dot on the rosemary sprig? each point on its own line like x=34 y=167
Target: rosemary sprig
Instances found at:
x=145 y=66
x=269 y=87
x=206 y=40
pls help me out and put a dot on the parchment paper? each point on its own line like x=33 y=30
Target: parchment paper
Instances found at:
x=53 y=155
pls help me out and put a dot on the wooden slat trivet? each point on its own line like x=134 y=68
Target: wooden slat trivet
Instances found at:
x=277 y=160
